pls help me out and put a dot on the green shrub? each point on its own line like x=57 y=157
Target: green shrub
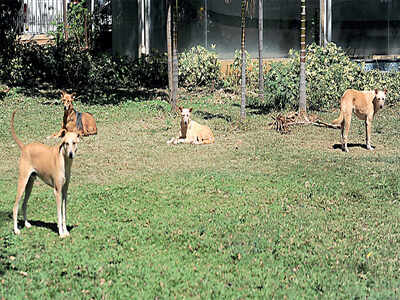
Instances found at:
x=98 y=79
x=198 y=67
x=233 y=79
x=152 y=70
x=114 y=79
x=329 y=73
x=281 y=84
x=79 y=28
x=389 y=80
x=8 y=31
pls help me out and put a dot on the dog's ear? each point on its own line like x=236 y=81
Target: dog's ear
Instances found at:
x=63 y=93
x=62 y=133
x=73 y=95
x=180 y=108
x=376 y=91
x=385 y=91
x=190 y=109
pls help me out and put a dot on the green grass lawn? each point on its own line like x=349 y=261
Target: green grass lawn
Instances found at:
x=256 y=215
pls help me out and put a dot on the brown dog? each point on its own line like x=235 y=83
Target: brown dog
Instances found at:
x=73 y=121
x=191 y=131
x=365 y=105
x=53 y=166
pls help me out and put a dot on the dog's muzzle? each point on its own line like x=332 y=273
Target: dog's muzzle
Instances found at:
x=71 y=155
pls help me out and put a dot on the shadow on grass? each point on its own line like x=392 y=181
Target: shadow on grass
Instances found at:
x=339 y=146
x=208 y=116
x=5 y=216
x=106 y=96
x=257 y=108
x=2 y=95
x=52 y=226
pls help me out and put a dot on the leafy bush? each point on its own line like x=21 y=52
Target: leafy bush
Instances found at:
x=199 y=67
x=79 y=27
x=281 y=83
x=8 y=31
x=98 y=79
x=329 y=73
x=389 y=80
x=233 y=79
x=60 y=65
x=111 y=79
x=153 y=70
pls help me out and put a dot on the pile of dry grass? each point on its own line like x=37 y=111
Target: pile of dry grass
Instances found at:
x=283 y=122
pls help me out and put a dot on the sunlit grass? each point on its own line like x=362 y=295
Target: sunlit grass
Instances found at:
x=256 y=215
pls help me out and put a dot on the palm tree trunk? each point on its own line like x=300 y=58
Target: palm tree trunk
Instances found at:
x=242 y=48
x=260 y=49
x=169 y=49
x=175 y=56
x=302 y=98
x=65 y=20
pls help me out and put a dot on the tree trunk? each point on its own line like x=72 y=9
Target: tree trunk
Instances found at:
x=243 y=48
x=86 y=29
x=260 y=50
x=169 y=49
x=65 y=20
x=175 y=56
x=302 y=98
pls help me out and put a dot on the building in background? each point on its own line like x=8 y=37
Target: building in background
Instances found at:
x=42 y=16
x=363 y=27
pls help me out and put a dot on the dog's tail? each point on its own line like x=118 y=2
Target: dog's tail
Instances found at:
x=209 y=140
x=339 y=119
x=16 y=139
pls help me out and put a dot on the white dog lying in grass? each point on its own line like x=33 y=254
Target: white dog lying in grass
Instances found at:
x=191 y=131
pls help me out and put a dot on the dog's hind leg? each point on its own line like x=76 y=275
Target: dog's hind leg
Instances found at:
x=56 y=135
x=28 y=190
x=22 y=182
x=345 y=133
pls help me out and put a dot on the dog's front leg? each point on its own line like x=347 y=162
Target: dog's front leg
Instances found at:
x=197 y=141
x=172 y=141
x=368 y=127
x=57 y=193
x=64 y=209
x=56 y=135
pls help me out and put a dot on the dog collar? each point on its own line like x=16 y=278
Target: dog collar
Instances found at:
x=79 y=125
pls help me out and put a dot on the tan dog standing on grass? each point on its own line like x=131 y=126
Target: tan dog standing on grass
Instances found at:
x=191 y=131
x=74 y=121
x=53 y=166
x=365 y=105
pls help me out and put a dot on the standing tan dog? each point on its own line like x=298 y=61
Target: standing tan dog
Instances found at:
x=53 y=166
x=365 y=105
x=191 y=131
x=82 y=123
